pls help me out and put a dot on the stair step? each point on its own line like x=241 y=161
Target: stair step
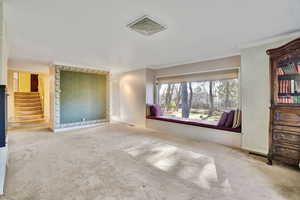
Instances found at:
x=29 y=112
x=28 y=107
x=26 y=97
x=28 y=121
x=27 y=93
x=27 y=100
x=22 y=108
x=34 y=104
x=29 y=117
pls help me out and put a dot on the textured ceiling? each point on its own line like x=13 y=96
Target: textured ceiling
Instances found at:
x=94 y=32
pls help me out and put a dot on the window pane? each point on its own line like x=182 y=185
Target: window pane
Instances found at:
x=203 y=100
x=169 y=98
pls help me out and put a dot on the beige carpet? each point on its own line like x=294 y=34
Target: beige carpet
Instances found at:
x=118 y=162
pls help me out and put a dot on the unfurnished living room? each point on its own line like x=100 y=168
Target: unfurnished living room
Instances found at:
x=149 y=100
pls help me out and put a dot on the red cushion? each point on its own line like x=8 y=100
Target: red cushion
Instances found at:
x=230 y=117
x=223 y=119
x=155 y=110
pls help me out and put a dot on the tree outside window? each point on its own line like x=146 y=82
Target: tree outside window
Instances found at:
x=199 y=100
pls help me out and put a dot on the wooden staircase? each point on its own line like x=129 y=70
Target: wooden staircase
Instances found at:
x=28 y=107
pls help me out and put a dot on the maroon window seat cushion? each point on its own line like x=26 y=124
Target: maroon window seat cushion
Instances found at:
x=223 y=119
x=194 y=123
x=155 y=110
x=229 y=120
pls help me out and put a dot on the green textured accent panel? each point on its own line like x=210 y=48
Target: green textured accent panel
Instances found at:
x=82 y=95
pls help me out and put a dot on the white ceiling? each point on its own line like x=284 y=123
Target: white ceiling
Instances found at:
x=94 y=33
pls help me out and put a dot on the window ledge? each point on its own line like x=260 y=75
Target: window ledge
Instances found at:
x=194 y=123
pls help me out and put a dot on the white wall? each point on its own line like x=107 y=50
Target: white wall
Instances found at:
x=28 y=66
x=130 y=92
x=3 y=47
x=46 y=93
x=115 y=97
x=3 y=81
x=255 y=95
x=52 y=97
x=150 y=86
x=197 y=133
x=10 y=98
x=204 y=66
x=133 y=97
x=3 y=161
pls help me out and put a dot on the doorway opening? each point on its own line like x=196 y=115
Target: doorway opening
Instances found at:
x=34 y=82
x=28 y=101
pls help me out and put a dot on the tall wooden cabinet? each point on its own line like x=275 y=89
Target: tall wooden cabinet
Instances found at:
x=284 y=136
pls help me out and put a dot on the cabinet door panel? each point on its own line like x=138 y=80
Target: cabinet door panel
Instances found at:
x=284 y=137
x=287 y=118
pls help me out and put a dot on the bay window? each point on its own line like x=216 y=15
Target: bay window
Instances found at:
x=202 y=96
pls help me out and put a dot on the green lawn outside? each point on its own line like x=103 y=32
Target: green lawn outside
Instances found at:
x=198 y=114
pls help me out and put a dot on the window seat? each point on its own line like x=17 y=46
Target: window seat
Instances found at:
x=204 y=124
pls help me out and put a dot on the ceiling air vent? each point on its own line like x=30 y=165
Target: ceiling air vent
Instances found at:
x=146 y=26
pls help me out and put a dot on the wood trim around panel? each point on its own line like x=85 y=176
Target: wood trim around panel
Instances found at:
x=57 y=122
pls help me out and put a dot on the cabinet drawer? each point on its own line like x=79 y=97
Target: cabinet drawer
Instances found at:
x=282 y=117
x=284 y=137
x=292 y=129
x=286 y=152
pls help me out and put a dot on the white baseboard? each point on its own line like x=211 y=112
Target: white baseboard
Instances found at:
x=78 y=127
x=255 y=150
x=3 y=164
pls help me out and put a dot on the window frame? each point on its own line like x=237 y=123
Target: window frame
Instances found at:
x=157 y=95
